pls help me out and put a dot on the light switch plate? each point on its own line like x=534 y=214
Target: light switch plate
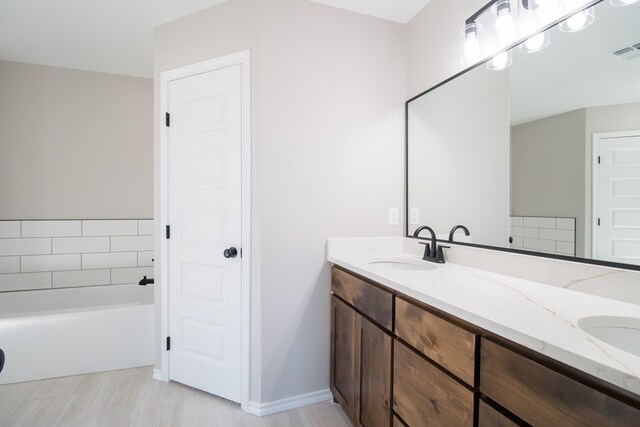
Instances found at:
x=414 y=218
x=394 y=216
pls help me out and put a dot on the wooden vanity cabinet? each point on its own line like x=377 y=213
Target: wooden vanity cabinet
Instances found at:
x=361 y=349
x=541 y=396
x=398 y=362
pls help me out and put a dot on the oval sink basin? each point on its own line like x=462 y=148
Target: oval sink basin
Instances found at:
x=620 y=332
x=403 y=264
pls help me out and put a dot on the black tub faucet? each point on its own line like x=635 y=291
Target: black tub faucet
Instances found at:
x=454 y=229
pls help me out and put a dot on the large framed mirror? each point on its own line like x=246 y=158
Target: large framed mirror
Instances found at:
x=542 y=157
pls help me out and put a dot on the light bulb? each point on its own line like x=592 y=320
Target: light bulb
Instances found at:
x=548 y=9
x=471 y=48
x=578 y=21
x=622 y=2
x=535 y=43
x=504 y=21
x=500 y=61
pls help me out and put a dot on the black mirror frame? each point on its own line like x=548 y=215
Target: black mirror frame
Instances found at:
x=474 y=245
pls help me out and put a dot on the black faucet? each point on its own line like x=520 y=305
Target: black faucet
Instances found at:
x=454 y=229
x=432 y=252
x=145 y=281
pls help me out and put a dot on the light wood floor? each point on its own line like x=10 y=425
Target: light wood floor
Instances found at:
x=131 y=398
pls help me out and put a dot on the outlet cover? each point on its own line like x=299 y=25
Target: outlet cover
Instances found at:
x=394 y=216
x=414 y=217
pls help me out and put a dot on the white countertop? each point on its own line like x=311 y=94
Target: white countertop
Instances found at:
x=538 y=316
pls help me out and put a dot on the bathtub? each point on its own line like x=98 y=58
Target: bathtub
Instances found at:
x=58 y=332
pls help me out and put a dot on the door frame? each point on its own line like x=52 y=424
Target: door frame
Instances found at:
x=595 y=179
x=242 y=58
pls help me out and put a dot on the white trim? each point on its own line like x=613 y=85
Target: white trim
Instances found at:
x=157 y=375
x=264 y=409
x=242 y=58
x=595 y=177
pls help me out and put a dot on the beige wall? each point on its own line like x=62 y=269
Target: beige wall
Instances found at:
x=74 y=144
x=547 y=169
x=434 y=42
x=328 y=93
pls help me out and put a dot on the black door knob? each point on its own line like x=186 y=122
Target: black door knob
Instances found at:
x=230 y=253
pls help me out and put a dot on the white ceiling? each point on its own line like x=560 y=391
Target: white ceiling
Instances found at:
x=116 y=36
x=393 y=10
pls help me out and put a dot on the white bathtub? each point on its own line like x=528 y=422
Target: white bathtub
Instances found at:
x=59 y=332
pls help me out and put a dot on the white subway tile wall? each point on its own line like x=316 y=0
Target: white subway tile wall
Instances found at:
x=544 y=234
x=9 y=229
x=63 y=253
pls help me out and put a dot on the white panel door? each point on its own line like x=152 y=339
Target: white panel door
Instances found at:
x=617 y=236
x=204 y=147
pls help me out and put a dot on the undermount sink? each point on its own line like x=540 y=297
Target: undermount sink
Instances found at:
x=403 y=264
x=620 y=332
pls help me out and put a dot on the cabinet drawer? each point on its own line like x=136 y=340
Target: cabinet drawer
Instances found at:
x=448 y=345
x=541 y=396
x=424 y=395
x=489 y=417
x=369 y=299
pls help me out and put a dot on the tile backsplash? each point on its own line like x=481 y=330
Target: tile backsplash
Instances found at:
x=74 y=253
x=550 y=235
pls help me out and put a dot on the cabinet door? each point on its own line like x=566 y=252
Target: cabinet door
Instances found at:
x=374 y=368
x=425 y=396
x=343 y=356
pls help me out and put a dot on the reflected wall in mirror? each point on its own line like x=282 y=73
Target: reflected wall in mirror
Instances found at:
x=543 y=156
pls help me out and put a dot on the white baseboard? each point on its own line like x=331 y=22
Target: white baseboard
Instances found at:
x=264 y=409
x=157 y=374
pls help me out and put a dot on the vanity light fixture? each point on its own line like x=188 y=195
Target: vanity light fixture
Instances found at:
x=622 y=2
x=503 y=20
x=578 y=21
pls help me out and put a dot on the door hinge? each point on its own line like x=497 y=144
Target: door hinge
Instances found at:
x=167 y=119
x=598 y=222
x=168 y=343
x=598 y=159
x=168 y=232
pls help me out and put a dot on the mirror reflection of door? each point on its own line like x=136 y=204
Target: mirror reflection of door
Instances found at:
x=616 y=197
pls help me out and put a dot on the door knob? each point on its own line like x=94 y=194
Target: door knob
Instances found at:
x=230 y=253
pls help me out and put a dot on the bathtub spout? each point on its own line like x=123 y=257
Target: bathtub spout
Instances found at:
x=145 y=281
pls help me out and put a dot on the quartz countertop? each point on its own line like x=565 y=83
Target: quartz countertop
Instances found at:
x=538 y=316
